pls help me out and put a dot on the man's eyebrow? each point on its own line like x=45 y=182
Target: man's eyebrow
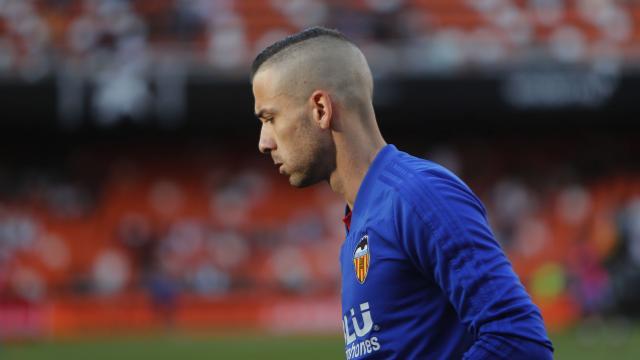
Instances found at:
x=260 y=114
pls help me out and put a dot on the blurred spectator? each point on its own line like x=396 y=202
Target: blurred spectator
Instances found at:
x=136 y=234
x=18 y=232
x=303 y=13
x=574 y=205
x=28 y=285
x=234 y=199
x=206 y=280
x=228 y=49
x=53 y=251
x=163 y=292
x=291 y=269
x=567 y=44
x=511 y=201
x=166 y=197
x=110 y=273
x=590 y=280
x=228 y=249
x=632 y=225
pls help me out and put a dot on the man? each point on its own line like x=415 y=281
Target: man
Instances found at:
x=422 y=275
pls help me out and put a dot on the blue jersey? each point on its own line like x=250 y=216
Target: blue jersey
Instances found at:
x=423 y=276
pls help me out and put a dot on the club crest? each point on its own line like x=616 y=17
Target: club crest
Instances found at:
x=362 y=259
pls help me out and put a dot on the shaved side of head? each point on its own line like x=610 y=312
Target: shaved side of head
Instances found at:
x=320 y=59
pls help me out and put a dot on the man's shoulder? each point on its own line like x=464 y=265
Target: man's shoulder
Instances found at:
x=408 y=173
x=427 y=186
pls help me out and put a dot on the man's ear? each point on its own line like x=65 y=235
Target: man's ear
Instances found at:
x=322 y=108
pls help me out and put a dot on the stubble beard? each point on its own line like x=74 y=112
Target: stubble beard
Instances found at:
x=320 y=163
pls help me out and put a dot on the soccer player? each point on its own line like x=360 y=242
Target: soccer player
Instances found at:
x=422 y=274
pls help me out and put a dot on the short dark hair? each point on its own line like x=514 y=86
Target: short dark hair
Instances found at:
x=296 y=38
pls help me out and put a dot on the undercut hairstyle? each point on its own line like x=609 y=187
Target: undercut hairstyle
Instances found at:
x=277 y=47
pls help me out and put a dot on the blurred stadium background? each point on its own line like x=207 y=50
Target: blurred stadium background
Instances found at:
x=137 y=219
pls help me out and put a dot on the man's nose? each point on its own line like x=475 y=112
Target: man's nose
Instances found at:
x=266 y=143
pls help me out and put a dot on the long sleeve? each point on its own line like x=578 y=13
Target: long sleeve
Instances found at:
x=445 y=232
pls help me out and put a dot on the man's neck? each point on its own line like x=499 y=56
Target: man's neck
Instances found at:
x=353 y=159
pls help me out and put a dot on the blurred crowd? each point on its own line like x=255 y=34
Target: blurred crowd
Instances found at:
x=204 y=226
x=165 y=222
x=130 y=38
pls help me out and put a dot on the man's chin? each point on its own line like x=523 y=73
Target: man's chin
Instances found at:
x=300 y=181
x=298 y=184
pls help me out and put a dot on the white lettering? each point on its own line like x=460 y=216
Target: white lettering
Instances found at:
x=366 y=319
x=375 y=344
x=355 y=350
x=348 y=337
x=362 y=348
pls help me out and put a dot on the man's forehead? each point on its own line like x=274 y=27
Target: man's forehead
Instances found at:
x=262 y=91
x=267 y=91
x=264 y=83
x=268 y=75
x=265 y=102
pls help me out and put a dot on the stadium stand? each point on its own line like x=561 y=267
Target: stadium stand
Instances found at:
x=223 y=35
x=140 y=225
